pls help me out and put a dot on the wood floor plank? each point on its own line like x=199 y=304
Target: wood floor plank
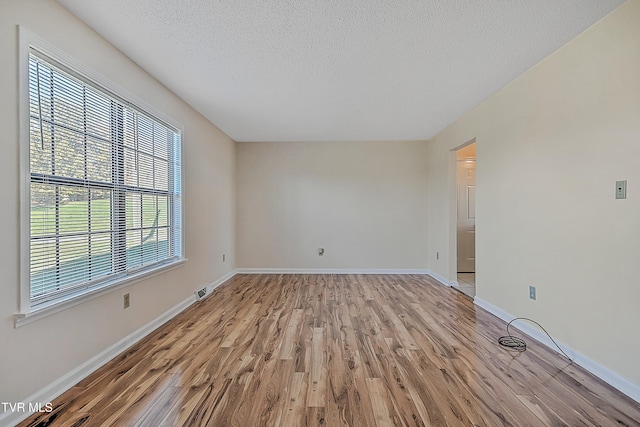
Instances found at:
x=379 y=402
x=336 y=350
x=295 y=401
x=291 y=335
x=316 y=395
x=158 y=410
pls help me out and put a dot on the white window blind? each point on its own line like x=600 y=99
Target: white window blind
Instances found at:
x=104 y=185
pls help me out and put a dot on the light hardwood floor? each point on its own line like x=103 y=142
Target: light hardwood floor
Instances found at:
x=334 y=350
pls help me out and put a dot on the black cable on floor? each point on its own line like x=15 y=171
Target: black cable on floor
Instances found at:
x=518 y=344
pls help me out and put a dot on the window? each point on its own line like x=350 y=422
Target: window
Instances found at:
x=104 y=186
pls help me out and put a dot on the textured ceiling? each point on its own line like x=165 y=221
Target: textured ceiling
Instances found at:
x=311 y=70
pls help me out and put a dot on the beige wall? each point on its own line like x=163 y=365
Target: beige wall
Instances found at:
x=33 y=356
x=363 y=202
x=550 y=147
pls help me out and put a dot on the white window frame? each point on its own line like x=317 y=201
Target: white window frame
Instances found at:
x=28 y=313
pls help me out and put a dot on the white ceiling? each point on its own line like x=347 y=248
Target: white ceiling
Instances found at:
x=337 y=70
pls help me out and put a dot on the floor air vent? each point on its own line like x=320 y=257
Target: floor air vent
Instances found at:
x=201 y=293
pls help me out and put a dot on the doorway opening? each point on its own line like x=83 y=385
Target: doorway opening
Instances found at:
x=466 y=218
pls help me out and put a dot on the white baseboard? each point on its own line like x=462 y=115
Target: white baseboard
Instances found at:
x=615 y=380
x=220 y=281
x=64 y=383
x=441 y=279
x=329 y=271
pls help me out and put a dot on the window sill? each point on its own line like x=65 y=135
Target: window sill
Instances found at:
x=47 y=309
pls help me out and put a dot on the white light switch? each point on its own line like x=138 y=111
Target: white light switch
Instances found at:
x=621 y=189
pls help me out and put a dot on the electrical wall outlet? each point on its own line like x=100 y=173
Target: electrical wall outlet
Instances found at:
x=532 y=292
x=126 y=301
x=621 y=189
